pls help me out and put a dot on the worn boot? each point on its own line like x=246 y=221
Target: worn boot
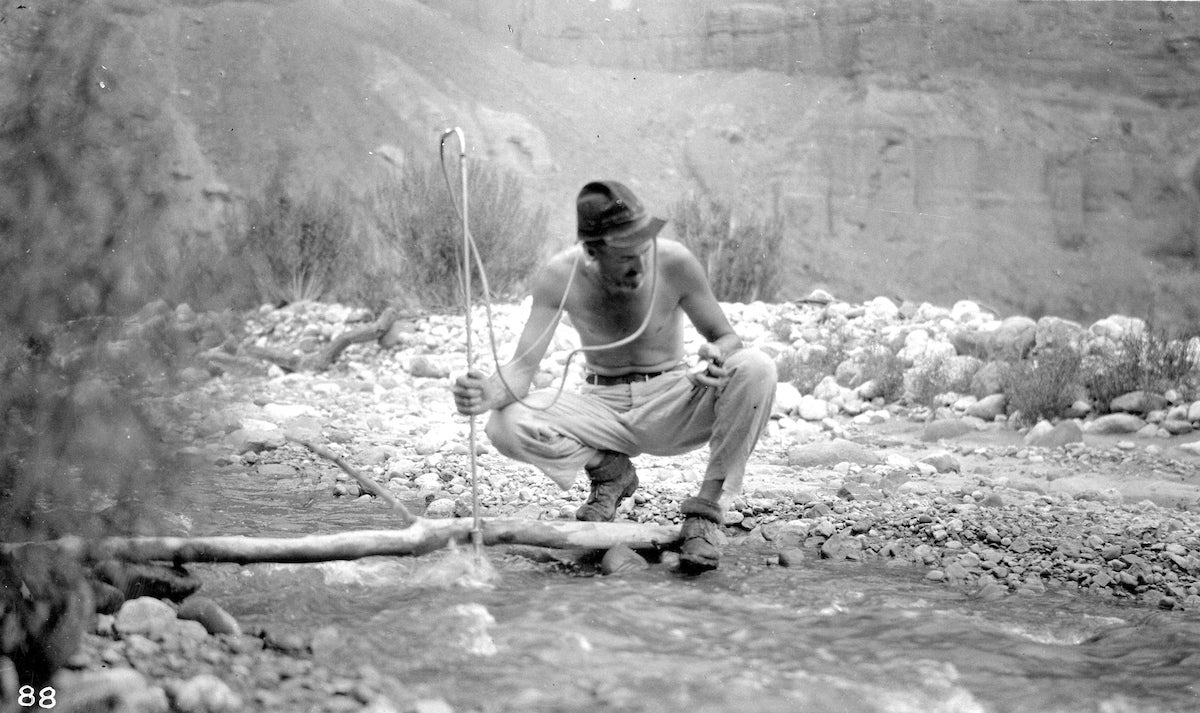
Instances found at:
x=613 y=480
x=701 y=538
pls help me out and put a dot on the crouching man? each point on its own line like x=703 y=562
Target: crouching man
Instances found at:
x=626 y=291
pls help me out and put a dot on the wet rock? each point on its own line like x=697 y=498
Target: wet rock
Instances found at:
x=620 y=559
x=210 y=614
x=791 y=557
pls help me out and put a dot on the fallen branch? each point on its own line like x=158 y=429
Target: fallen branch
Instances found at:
x=375 y=488
x=422 y=536
x=324 y=358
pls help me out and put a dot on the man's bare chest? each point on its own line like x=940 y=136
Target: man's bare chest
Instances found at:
x=600 y=319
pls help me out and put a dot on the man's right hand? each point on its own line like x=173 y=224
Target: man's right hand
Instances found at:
x=472 y=393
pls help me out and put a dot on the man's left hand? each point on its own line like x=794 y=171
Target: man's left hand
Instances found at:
x=715 y=375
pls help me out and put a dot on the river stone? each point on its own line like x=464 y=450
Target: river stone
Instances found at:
x=842 y=547
x=828 y=453
x=426 y=368
x=1116 y=327
x=1060 y=435
x=988 y=380
x=859 y=492
x=144 y=615
x=440 y=508
x=988 y=407
x=1115 y=423
x=205 y=694
x=1193 y=413
x=1177 y=427
x=946 y=428
x=1138 y=402
x=210 y=614
x=1014 y=338
x=791 y=557
x=1058 y=333
x=787 y=398
x=620 y=559
x=942 y=462
x=811 y=408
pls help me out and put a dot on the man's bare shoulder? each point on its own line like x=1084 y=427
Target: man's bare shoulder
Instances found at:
x=678 y=261
x=551 y=280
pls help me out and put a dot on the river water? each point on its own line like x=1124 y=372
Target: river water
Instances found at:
x=825 y=636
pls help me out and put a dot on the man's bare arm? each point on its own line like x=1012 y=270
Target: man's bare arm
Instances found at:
x=701 y=306
x=513 y=379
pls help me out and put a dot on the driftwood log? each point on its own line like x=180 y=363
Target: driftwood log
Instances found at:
x=323 y=359
x=422 y=536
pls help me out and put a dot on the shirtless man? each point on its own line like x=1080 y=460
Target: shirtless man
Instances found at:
x=639 y=396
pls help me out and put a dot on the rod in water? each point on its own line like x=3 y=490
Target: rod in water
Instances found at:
x=477 y=527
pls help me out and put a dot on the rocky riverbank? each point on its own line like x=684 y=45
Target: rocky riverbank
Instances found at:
x=1107 y=501
x=1104 y=503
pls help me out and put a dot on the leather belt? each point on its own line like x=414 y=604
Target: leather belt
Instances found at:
x=602 y=380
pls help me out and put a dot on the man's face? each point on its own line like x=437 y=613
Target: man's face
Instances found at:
x=622 y=270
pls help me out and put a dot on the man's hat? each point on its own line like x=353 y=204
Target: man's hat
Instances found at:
x=608 y=212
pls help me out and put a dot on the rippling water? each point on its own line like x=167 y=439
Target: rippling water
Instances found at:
x=821 y=637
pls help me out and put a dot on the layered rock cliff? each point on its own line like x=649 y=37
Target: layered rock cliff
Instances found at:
x=1037 y=157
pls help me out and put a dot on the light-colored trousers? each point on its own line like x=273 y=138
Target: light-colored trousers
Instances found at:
x=664 y=416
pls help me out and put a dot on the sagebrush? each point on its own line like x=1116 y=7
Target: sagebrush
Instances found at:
x=1042 y=386
x=1151 y=360
x=740 y=251
x=417 y=231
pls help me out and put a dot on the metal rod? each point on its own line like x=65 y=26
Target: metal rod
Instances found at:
x=477 y=525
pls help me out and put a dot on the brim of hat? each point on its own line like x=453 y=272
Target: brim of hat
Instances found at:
x=634 y=235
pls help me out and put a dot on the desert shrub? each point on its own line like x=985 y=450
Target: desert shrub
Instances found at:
x=1043 y=386
x=741 y=254
x=885 y=368
x=1153 y=360
x=418 y=234
x=298 y=245
x=805 y=371
x=925 y=380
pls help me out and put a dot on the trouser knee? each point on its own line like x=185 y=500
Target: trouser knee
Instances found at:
x=755 y=370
